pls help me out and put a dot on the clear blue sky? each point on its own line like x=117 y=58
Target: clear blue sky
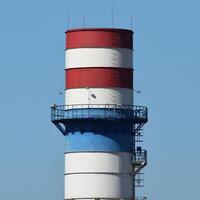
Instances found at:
x=167 y=63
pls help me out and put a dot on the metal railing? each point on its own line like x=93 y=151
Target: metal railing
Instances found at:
x=139 y=161
x=98 y=111
x=140 y=156
x=140 y=198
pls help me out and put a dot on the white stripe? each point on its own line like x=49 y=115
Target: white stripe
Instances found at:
x=98 y=162
x=119 y=96
x=99 y=57
x=98 y=186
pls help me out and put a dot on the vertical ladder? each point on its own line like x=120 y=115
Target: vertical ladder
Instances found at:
x=139 y=160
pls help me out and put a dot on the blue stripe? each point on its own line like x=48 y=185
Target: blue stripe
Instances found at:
x=90 y=141
x=99 y=135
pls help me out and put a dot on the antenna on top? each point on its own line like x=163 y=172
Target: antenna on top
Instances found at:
x=112 y=17
x=68 y=19
x=132 y=21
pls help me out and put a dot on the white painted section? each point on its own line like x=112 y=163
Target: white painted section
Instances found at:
x=118 y=96
x=98 y=162
x=98 y=175
x=99 y=57
x=98 y=186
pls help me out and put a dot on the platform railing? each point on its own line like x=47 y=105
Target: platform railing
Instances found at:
x=140 y=156
x=98 y=111
x=140 y=198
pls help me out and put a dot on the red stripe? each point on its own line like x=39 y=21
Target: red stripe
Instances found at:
x=102 y=38
x=99 y=78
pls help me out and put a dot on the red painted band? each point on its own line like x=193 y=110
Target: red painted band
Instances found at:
x=99 y=38
x=99 y=78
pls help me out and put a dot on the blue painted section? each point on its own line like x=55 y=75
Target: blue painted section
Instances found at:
x=99 y=136
x=90 y=141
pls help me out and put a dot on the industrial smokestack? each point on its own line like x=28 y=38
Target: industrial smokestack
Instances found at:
x=99 y=121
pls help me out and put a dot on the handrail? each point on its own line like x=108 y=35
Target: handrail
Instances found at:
x=139 y=160
x=76 y=106
x=100 y=111
x=140 y=155
x=140 y=198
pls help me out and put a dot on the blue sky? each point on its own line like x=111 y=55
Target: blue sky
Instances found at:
x=167 y=65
